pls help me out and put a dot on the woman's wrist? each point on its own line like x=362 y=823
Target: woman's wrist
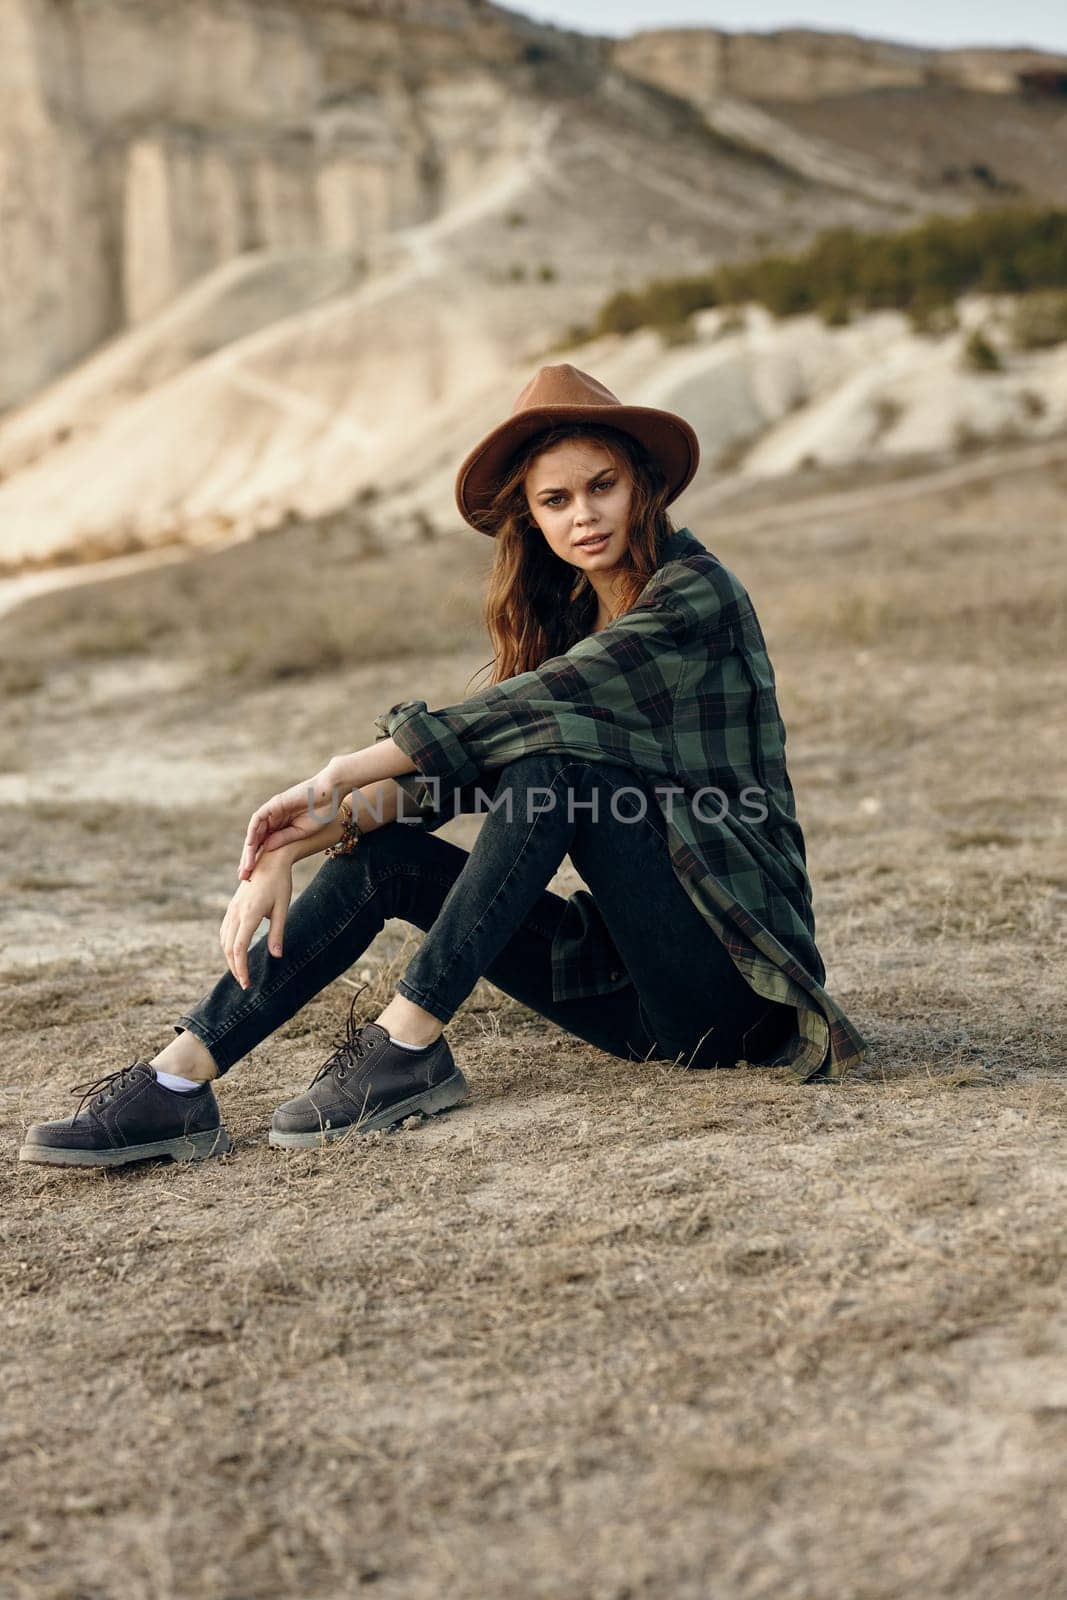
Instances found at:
x=372 y=807
x=328 y=834
x=346 y=772
x=364 y=777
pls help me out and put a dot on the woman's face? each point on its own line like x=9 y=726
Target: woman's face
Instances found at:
x=577 y=492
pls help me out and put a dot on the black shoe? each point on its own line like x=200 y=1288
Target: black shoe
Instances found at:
x=367 y=1083
x=130 y=1116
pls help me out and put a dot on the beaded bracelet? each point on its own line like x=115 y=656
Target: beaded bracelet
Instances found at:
x=351 y=834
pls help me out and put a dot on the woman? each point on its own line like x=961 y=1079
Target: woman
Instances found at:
x=631 y=722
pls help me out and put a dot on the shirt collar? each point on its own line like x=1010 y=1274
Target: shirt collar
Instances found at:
x=679 y=544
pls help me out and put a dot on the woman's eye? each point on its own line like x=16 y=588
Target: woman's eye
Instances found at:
x=607 y=484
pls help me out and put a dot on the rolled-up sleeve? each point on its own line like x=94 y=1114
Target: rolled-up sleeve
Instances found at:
x=431 y=739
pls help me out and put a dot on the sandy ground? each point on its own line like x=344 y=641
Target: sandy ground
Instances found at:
x=606 y=1331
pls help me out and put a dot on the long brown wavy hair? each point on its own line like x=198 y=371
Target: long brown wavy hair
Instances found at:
x=537 y=605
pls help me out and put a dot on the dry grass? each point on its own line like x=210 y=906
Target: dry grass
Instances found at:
x=305 y=599
x=606 y=1331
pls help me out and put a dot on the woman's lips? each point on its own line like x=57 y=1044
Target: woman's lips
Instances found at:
x=596 y=544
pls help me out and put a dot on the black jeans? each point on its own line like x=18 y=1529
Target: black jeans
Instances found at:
x=487 y=913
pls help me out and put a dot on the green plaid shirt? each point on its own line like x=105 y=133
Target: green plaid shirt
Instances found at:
x=681 y=689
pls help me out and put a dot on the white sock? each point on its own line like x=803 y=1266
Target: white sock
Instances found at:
x=169 y=1081
x=404 y=1044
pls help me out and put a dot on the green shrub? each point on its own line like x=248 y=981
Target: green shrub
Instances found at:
x=19 y=677
x=1039 y=321
x=576 y=333
x=835 y=313
x=918 y=269
x=732 y=321
x=664 y=303
x=929 y=315
x=622 y=313
x=966 y=438
x=887 y=412
x=673 y=333
x=979 y=354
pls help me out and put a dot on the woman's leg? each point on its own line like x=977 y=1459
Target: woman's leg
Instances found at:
x=688 y=998
x=699 y=1006
x=486 y=913
x=400 y=871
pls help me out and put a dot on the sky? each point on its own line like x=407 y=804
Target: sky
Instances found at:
x=1041 y=23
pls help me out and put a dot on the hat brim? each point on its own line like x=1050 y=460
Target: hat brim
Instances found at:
x=667 y=437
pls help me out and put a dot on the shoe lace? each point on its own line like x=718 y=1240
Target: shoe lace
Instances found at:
x=103 y=1089
x=349 y=1047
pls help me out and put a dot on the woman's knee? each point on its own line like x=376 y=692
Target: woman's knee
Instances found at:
x=405 y=869
x=399 y=842
x=381 y=856
x=536 y=765
x=545 y=781
x=545 y=766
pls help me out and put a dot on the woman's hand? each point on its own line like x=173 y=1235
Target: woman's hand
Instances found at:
x=266 y=893
x=304 y=826
x=293 y=815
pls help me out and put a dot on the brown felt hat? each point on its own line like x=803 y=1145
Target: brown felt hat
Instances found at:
x=564 y=394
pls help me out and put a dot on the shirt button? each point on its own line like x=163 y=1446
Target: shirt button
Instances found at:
x=614 y=975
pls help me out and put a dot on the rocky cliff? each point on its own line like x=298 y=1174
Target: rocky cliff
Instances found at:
x=263 y=258
x=798 y=64
x=143 y=143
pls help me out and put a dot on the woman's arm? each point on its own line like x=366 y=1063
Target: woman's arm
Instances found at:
x=383 y=759
x=294 y=814
x=268 y=888
x=373 y=806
